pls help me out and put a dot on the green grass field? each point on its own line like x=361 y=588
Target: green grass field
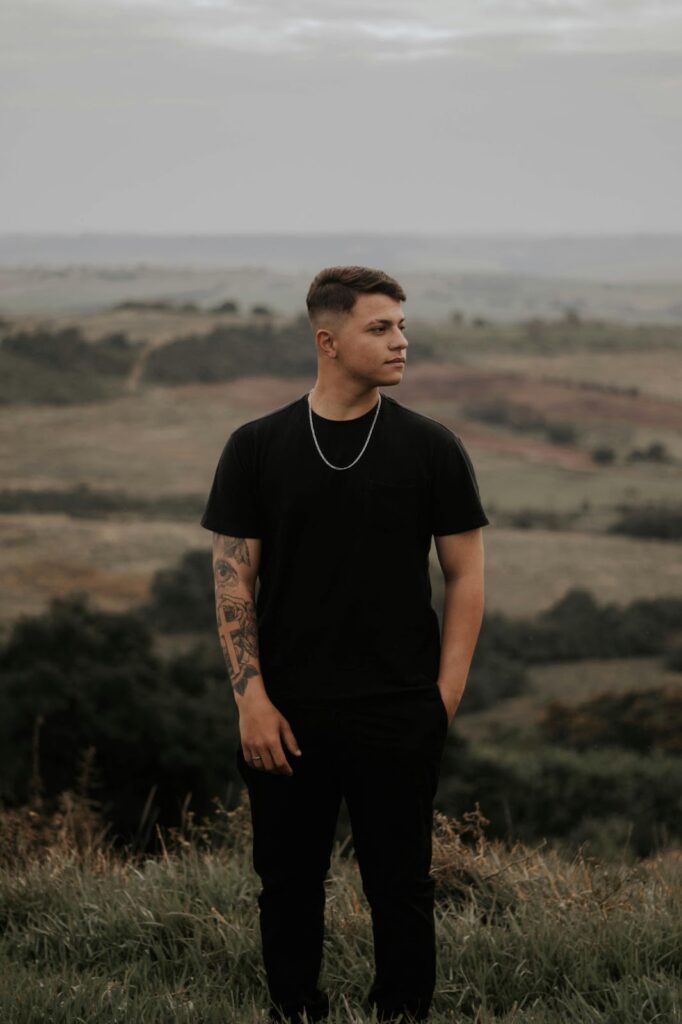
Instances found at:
x=525 y=936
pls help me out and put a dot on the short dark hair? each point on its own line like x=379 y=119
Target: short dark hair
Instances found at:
x=335 y=289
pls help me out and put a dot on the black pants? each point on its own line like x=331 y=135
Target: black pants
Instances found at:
x=383 y=756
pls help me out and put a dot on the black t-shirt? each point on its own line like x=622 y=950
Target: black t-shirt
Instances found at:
x=343 y=600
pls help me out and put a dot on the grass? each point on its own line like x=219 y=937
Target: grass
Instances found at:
x=524 y=935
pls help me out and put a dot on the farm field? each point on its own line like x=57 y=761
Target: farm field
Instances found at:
x=431 y=294
x=526 y=570
x=162 y=439
x=160 y=442
x=655 y=373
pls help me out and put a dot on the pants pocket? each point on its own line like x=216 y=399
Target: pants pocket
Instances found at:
x=445 y=716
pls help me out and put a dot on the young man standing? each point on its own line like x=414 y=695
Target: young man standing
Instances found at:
x=344 y=686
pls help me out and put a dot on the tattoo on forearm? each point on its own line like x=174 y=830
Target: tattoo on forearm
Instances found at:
x=231 y=552
x=239 y=638
x=236 y=617
x=235 y=547
x=226 y=576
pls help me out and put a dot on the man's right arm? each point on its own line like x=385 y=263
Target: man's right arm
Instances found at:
x=235 y=569
x=262 y=727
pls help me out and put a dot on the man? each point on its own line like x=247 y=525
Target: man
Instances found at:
x=344 y=686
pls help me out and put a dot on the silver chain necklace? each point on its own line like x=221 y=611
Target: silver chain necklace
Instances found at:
x=312 y=428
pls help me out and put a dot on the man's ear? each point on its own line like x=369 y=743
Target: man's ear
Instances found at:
x=327 y=342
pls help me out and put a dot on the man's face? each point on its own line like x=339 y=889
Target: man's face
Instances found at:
x=368 y=338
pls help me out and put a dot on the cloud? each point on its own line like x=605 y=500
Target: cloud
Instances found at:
x=209 y=115
x=381 y=29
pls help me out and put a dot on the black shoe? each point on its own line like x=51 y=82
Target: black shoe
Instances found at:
x=315 y=1007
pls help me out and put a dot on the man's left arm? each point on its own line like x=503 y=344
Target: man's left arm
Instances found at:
x=461 y=558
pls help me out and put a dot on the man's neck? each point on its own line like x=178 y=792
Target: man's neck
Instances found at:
x=334 y=405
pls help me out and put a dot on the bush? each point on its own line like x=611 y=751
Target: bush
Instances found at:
x=23 y=381
x=182 y=597
x=228 y=306
x=657 y=451
x=540 y=792
x=603 y=454
x=663 y=522
x=77 y=679
x=66 y=349
x=83 y=501
x=230 y=351
x=561 y=433
x=577 y=627
x=645 y=721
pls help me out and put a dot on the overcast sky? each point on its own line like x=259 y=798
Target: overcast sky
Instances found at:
x=486 y=116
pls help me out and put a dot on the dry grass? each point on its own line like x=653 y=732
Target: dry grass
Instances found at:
x=654 y=373
x=166 y=441
x=524 y=936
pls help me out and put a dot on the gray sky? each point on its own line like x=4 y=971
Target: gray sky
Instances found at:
x=268 y=115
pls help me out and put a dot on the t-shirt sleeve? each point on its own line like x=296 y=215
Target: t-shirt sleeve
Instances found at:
x=232 y=507
x=455 y=499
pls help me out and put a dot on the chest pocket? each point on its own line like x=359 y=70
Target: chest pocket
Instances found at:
x=393 y=507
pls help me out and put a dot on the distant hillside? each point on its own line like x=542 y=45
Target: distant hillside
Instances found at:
x=640 y=257
x=434 y=295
